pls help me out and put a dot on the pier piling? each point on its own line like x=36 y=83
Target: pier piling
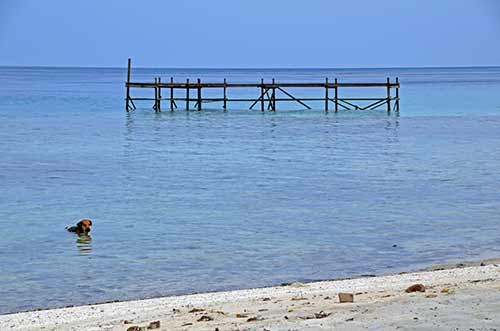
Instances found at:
x=326 y=95
x=159 y=95
x=187 y=94
x=225 y=95
x=262 y=94
x=172 y=102
x=273 y=96
x=155 y=105
x=388 y=95
x=198 y=102
x=336 y=96
x=396 y=102
x=127 y=103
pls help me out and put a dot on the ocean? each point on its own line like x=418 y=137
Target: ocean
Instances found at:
x=188 y=202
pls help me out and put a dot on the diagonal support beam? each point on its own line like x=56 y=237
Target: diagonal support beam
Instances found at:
x=293 y=98
x=374 y=104
x=260 y=98
x=341 y=105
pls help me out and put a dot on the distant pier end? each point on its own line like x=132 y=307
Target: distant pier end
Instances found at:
x=266 y=94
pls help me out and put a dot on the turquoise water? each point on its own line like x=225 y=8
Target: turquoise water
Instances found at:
x=187 y=202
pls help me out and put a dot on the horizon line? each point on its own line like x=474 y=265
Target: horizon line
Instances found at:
x=245 y=68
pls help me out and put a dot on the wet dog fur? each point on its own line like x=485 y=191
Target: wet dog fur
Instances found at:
x=82 y=227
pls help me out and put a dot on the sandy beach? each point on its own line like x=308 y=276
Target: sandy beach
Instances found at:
x=455 y=298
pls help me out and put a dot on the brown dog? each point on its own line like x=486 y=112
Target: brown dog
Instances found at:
x=82 y=227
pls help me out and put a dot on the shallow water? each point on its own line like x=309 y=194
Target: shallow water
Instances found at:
x=186 y=202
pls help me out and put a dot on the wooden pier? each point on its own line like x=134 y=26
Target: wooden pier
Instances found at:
x=266 y=94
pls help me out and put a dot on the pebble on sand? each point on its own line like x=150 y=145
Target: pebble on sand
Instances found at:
x=154 y=325
x=415 y=288
x=205 y=318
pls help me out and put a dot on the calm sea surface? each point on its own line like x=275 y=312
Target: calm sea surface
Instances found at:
x=186 y=202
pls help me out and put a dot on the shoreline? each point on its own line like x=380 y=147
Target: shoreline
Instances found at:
x=434 y=267
x=297 y=305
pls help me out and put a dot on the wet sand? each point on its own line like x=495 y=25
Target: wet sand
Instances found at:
x=464 y=298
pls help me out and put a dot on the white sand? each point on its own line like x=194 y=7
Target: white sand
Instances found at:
x=380 y=303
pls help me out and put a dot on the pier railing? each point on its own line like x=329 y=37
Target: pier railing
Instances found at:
x=266 y=94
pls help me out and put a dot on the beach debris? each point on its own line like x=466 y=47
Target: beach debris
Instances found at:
x=415 y=288
x=328 y=298
x=255 y=318
x=350 y=319
x=306 y=316
x=218 y=312
x=127 y=322
x=205 y=318
x=298 y=284
x=154 y=325
x=482 y=280
x=135 y=328
x=241 y=315
x=447 y=290
x=175 y=310
x=299 y=299
x=196 y=310
x=321 y=314
x=187 y=324
x=263 y=309
x=431 y=295
x=346 y=297
x=266 y=299
x=394 y=245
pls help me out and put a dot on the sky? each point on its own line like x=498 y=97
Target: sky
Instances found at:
x=251 y=33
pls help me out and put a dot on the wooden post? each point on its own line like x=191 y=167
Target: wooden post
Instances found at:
x=336 y=96
x=155 y=106
x=159 y=94
x=397 y=94
x=199 y=94
x=187 y=94
x=262 y=94
x=388 y=94
x=273 y=98
x=127 y=107
x=326 y=94
x=171 y=93
x=225 y=95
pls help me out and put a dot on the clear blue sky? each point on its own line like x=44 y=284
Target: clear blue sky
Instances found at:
x=250 y=33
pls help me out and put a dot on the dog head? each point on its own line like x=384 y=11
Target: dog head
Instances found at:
x=83 y=227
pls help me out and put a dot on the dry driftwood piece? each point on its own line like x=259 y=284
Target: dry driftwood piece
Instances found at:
x=196 y=310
